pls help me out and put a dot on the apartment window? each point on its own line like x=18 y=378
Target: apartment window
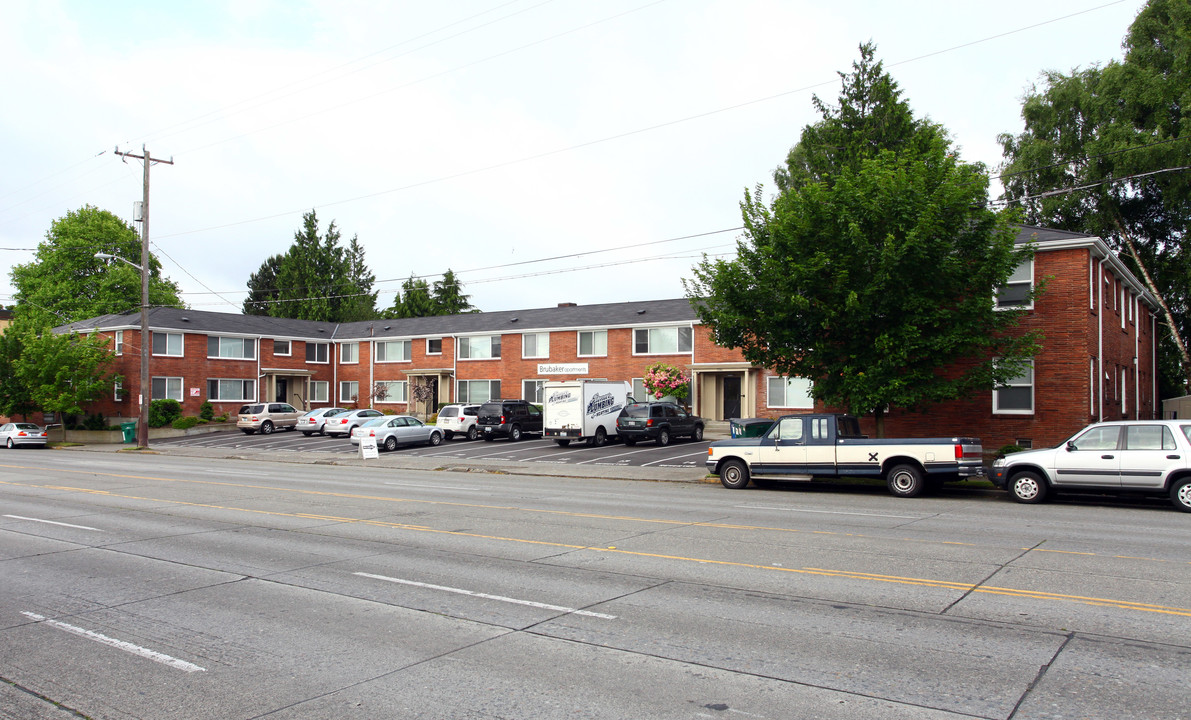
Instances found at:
x=662 y=341
x=393 y=350
x=434 y=346
x=1124 y=391
x=167 y=388
x=119 y=342
x=319 y=391
x=392 y=391
x=231 y=347
x=349 y=391
x=639 y=389
x=231 y=390
x=790 y=392
x=533 y=390
x=349 y=353
x=1092 y=386
x=1016 y=396
x=483 y=347
x=535 y=345
x=318 y=352
x=1016 y=291
x=169 y=344
x=281 y=347
x=593 y=343
x=478 y=391
x=118 y=392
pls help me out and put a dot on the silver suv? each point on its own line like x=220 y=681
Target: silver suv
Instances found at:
x=267 y=417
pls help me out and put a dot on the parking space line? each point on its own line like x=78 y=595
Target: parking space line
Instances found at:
x=51 y=522
x=118 y=644
x=676 y=457
x=486 y=596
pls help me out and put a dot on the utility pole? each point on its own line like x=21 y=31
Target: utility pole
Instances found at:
x=146 y=390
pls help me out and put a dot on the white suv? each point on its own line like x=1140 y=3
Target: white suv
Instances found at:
x=458 y=420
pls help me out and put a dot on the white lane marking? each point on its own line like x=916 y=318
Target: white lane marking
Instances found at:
x=433 y=487
x=830 y=512
x=51 y=522
x=486 y=596
x=676 y=457
x=118 y=644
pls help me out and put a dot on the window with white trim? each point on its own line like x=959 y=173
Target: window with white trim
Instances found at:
x=593 y=343
x=1015 y=293
x=639 y=393
x=434 y=346
x=118 y=391
x=119 y=342
x=349 y=391
x=230 y=390
x=167 y=388
x=317 y=352
x=1092 y=386
x=477 y=391
x=393 y=350
x=1016 y=396
x=662 y=341
x=320 y=391
x=533 y=390
x=231 y=347
x=1124 y=391
x=789 y=392
x=535 y=345
x=282 y=347
x=480 y=347
x=349 y=353
x=392 y=391
x=167 y=344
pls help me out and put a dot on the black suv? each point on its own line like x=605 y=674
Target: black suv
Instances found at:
x=659 y=421
x=509 y=418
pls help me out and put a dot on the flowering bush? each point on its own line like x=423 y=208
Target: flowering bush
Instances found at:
x=661 y=380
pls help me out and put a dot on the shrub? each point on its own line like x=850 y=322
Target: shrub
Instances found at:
x=185 y=423
x=222 y=418
x=1009 y=449
x=207 y=410
x=95 y=422
x=164 y=412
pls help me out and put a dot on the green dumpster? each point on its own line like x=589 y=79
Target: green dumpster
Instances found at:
x=129 y=430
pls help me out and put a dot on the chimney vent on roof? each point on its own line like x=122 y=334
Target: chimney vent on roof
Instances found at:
x=567 y=305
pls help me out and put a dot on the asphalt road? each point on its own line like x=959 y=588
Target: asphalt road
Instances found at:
x=197 y=586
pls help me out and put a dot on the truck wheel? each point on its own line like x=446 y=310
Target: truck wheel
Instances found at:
x=1027 y=487
x=698 y=434
x=472 y=432
x=515 y=433
x=1180 y=493
x=664 y=436
x=906 y=481
x=563 y=442
x=601 y=437
x=734 y=475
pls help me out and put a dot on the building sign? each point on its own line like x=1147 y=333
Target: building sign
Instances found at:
x=195 y=392
x=562 y=368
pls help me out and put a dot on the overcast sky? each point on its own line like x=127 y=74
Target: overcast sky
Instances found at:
x=496 y=138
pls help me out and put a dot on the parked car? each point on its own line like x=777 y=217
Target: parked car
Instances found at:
x=1147 y=456
x=657 y=421
x=315 y=420
x=458 y=420
x=393 y=430
x=16 y=434
x=509 y=418
x=267 y=417
x=342 y=424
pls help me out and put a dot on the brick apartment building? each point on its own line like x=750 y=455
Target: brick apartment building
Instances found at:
x=1098 y=357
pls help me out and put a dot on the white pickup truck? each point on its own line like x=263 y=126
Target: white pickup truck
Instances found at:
x=809 y=447
x=1144 y=456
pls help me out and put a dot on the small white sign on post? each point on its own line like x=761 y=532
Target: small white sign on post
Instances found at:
x=368 y=448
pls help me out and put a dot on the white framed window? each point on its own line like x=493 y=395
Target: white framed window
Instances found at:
x=392 y=391
x=477 y=391
x=1015 y=293
x=231 y=347
x=167 y=388
x=1092 y=386
x=480 y=347
x=535 y=345
x=662 y=341
x=230 y=390
x=119 y=342
x=117 y=391
x=593 y=343
x=167 y=344
x=393 y=350
x=790 y=392
x=533 y=390
x=639 y=390
x=317 y=352
x=282 y=347
x=349 y=391
x=434 y=346
x=1124 y=391
x=1092 y=264
x=320 y=391
x=1016 y=397
x=349 y=353
x=1123 y=303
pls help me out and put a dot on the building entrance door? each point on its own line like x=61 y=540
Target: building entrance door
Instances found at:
x=282 y=390
x=731 y=396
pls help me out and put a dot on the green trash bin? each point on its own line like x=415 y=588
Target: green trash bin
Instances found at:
x=129 y=430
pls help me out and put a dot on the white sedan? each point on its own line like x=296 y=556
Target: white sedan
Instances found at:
x=22 y=433
x=393 y=430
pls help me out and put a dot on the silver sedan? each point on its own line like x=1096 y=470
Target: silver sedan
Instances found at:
x=393 y=430
x=22 y=433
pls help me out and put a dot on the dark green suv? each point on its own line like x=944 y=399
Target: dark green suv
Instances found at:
x=509 y=418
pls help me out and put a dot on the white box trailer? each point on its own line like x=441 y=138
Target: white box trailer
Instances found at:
x=583 y=409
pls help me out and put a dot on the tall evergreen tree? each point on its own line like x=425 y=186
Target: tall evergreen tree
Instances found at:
x=262 y=287
x=448 y=295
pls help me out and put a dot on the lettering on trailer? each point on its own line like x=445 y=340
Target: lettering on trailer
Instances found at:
x=560 y=396
x=602 y=404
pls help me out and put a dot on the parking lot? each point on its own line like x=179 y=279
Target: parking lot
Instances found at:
x=682 y=454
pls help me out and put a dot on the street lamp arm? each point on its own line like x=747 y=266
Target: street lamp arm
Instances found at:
x=107 y=256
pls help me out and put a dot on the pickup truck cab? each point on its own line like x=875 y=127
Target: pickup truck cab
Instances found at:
x=819 y=446
x=1130 y=456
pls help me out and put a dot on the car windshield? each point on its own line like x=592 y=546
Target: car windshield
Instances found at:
x=635 y=411
x=336 y=411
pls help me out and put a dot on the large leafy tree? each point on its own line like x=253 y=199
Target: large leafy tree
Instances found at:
x=66 y=282
x=1104 y=151
x=54 y=373
x=873 y=271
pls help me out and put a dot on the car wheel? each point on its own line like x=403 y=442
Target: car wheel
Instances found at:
x=663 y=436
x=1180 y=493
x=447 y=434
x=307 y=433
x=322 y=430
x=563 y=442
x=1027 y=487
x=472 y=432
x=9 y=444
x=906 y=481
x=390 y=443
x=630 y=441
x=734 y=475
x=349 y=431
x=435 y=437
x=515 y=433
x=698 y=434
x=266 y=428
